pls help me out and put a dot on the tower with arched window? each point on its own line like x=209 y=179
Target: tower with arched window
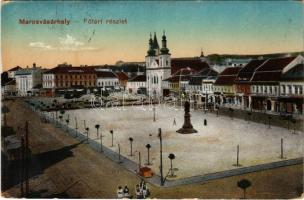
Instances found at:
x=158 y=65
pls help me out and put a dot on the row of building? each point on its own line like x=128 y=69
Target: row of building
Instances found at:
x=274 y=85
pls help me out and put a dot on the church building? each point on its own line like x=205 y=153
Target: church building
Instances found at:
x=158 y=65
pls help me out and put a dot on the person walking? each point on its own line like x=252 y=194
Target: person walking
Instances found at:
x=126 y=193
x=174 y=122
x=138 y=192
x=120 y=192
x=144 y=191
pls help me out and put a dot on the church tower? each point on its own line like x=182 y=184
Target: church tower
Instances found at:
x=158 y=65
x=165 y=58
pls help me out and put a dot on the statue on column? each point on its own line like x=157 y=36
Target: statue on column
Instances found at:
x=187 y=128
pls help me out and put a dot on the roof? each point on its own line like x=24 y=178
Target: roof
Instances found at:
x=193 y=63
x=230 y=71
x=71 y=70
x=15 y=69
x=276 y=64
x=267 y=76
x=196 y=80
x=105 y=74
x=184 y=71
x=10 y=81
x=139 y=78
x=174 y=79
x=24 y=71
x=294 y=74
x=228 y=76
x=122 y=76
x=247 y=71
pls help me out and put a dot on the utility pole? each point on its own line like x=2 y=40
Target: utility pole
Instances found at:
x=119 y=153
x=282 y=155
x=26 y=159
x=139 y=161
x=76 y=127
x=161 y=157
x=237 y=155
x=22 y=166
x=154 y=113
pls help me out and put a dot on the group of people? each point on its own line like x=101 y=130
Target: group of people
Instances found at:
x=141 y=191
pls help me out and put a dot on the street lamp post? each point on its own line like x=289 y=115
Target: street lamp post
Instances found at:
x=101 y=147
x=131 y=141
x=161 y=157
x=87 y=131
x=154 y=113
x=171 y=157
x=148 y=146
x=111 y=132
x=76 y=126
x=139 y=161
x=119 y=160
x=282 y=153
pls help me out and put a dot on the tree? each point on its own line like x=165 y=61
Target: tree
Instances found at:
x=62 y=112
x=148 y=146
x=244 y=184
x=171 y=157
x=97 y=127
x=131 y=141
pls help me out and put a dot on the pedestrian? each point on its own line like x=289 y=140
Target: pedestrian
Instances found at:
x=205 y=122
x=126 y=193
x=120 y=192
x=174 y=122
x=144 y=191
x=142 y=182
x=138 y=192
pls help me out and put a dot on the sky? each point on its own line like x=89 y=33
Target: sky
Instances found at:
x=231 y=27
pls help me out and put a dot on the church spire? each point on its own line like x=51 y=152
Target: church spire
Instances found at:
x=155 y=43
x=164 y=49
x=151 y=51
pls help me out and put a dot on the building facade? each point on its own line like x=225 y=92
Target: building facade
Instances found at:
x=27 y=79
x=158 y=66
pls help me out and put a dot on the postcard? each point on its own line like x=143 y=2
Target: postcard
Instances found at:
x=152 y=99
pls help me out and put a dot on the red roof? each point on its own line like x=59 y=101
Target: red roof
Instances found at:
x=139 y=78
x=228 y=76
x=195 y=64
x=122 y=76
x=275 y=64
x=230 y=71
x=71 y=70
x=15 y=69
x=247 y=71
x=294 y=74
x=175 y=79
x=270 y=76
x=106 y=74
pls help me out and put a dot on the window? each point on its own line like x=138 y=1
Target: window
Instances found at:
x=300 y=89
x=289 y=89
